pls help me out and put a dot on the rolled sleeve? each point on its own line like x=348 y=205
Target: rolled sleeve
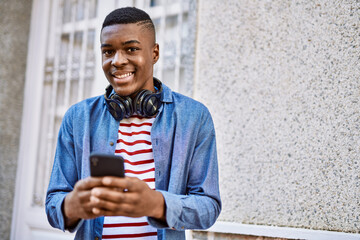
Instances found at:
x=172 y=212
x=55 y=213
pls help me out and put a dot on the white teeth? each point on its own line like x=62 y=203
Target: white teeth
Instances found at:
x=124 y=75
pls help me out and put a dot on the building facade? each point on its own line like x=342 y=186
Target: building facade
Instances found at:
x=279 y=77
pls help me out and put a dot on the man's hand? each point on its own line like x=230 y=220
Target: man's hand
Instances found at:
x=77 y=204
x=127 y=196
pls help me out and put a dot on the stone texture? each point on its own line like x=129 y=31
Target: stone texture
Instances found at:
x=281 y=79
x=14 y=32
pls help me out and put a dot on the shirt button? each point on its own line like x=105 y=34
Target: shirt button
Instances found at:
x=96 y=238
x=182 y=227
x=111 y=143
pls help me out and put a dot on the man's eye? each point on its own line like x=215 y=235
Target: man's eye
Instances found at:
x=132 y=49
x=108 y=52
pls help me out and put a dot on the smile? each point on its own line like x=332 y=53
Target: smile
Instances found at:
x=123 y=75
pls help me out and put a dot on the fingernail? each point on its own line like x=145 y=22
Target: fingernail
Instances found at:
x=94 y=199
x=95 y=210
x=106 y=181
x=96 y=192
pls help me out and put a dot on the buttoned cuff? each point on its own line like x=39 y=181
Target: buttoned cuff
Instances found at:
x=61 y=218
x=173 y=210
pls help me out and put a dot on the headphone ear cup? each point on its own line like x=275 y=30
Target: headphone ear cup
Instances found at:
x=151 y=105
x=116 y=109
x=129 y=106
x=147 y=103
x=124 y=104
x=138 y=102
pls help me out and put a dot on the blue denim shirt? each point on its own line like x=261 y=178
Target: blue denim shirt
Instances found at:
x=186 y=168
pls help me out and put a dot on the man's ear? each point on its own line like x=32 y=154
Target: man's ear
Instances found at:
x=156 y=53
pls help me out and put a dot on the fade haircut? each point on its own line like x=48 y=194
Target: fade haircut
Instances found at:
x=128 y=15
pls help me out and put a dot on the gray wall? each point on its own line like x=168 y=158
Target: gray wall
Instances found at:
x=281 y=79
x=14 y=33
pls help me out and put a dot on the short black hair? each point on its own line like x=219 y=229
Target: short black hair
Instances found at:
x=129 y=15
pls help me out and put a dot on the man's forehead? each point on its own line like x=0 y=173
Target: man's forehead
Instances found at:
x=129 y=30
x=133 y=27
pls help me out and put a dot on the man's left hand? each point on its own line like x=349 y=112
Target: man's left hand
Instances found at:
x=129 y=197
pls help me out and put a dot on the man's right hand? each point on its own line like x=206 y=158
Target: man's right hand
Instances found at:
x=77 y=203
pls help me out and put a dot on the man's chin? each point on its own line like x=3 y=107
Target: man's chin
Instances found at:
x=124 y=92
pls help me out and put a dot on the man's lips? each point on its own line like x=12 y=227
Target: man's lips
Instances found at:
x=122 y=76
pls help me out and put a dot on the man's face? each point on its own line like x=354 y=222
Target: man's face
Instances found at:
x=128 y=55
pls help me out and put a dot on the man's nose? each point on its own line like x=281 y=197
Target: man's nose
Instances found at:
x=119 y=59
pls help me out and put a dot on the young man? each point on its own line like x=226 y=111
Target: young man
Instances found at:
x=166 y=139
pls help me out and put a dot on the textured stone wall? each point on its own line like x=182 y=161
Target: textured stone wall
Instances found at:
x=14 y=32
x=281 y=79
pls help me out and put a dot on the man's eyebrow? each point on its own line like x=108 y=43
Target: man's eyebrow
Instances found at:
x=124 y=43
x=131 y=41
x=105 y=45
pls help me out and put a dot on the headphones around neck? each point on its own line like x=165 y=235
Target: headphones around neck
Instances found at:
x=145 y=104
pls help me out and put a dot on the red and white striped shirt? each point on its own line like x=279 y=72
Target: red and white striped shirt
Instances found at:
x=134 y=145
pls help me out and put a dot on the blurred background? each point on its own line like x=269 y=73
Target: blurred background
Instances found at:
x=281 y=79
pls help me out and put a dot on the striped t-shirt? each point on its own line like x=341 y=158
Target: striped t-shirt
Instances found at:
x=134 y=145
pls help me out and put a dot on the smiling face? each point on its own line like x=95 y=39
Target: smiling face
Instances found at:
x=129 y=53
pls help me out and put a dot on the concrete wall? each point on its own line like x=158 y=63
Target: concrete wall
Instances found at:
x=14 y=32
x=281 y=79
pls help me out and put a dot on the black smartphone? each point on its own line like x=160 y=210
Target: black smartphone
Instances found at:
x=106 y=165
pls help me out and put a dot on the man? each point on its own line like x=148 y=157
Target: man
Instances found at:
x=166 y=139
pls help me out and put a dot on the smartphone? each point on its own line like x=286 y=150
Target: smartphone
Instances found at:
x=106 y=165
